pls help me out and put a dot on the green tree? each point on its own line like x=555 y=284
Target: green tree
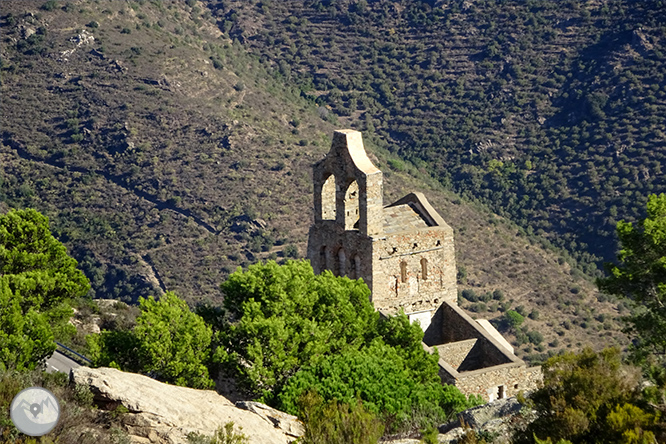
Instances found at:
x=590 y=397
x=38 y=281
x=380 y=378
x=333 y=422
x=169 y=341
x=513 y=318
x=285 y=317
x=290 y=331
x=641 y=276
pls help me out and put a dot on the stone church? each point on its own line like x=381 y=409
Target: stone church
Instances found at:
x=405 y=254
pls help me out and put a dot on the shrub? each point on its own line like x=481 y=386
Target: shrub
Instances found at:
x=513 y=318
x=50 y=5
x=470 y=295
x=535 y=337
x=336 y=423
x=223 y=435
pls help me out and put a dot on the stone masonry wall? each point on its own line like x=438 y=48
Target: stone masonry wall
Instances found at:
x=487 y=382
x=456 y=352
x=345 y=253
x=398 y=270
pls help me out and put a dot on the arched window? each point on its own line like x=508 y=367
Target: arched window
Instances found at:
x=351 y=206
x=357 y=267
x=424 y=269
x=328 y=199
x=403 y=272
x=322 y=259
x=342 y=262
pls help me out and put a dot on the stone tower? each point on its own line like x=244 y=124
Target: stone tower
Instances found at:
x=404 y=252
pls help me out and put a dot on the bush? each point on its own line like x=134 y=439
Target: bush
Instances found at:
x=498 y=295
x=223 y=435
x=535 y=337
x=337 y=423
x=381 y=379
x=50 y=5
x=513 y=318
x=470 y=295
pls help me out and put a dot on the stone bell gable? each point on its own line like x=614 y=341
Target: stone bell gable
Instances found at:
x=404 y=251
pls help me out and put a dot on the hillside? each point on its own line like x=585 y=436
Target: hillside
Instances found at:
x=166 y=154
x=549 y=112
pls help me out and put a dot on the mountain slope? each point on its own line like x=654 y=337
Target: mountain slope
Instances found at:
x=549 y=112
x=166 y=155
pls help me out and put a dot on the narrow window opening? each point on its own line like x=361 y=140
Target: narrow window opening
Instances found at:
x=342 y=262
x=357 y=267
x=328 y=199
x=500 y=392
x=351 y=206
x=322 y=259
x=403 y=272
x=424 y=269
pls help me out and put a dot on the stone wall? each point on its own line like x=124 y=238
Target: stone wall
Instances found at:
x=506 y=380
x=414 y=270
x=456 y=352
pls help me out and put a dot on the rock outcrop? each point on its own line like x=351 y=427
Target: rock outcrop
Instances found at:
x=163 y=413
x=494 y=418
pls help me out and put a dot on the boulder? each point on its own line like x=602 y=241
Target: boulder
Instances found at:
x=163 y=413
x=289 y=424
x=495 y=418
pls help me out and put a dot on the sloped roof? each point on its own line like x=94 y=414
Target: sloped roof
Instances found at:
x=411 y=212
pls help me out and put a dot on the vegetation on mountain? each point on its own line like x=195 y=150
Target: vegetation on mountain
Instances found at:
x=640 y=276
x=166 y=154
x=546 y=111
x=38 y=283
x=168 y=342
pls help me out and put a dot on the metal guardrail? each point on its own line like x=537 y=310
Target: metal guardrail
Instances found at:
x=76 y=355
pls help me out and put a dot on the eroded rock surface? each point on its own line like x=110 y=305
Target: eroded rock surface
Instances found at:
x=163 y=413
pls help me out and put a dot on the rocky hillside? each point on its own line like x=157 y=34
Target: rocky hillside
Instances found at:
x=550 y=112
x=166 y=153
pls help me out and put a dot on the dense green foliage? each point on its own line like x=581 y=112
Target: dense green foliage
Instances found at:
x=169 y=342
x=592 y=398
x=548 y=111
x=38 y=281
x=292 y=331
x=641 y=276
x=285 y=317
x=378 y=376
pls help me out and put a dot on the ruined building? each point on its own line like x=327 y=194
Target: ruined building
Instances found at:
x=405 y=254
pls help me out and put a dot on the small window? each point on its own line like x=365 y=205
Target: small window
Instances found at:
x=342 y=258
x=323 y=253
x=424 y=269
x=500 y=392
x=357 y=267
x=403 y=272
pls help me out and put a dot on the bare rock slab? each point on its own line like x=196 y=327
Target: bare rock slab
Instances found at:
x=163 y=413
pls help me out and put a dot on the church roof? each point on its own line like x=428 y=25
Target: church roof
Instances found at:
x=402 y=217
x=412 y=212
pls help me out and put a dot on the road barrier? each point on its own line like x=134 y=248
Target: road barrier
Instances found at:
x=73 y=355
